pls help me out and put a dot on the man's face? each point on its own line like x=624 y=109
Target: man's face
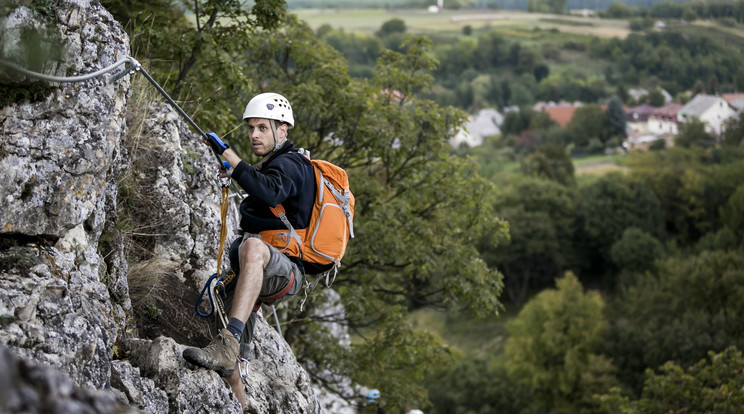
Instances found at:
x=262 y=139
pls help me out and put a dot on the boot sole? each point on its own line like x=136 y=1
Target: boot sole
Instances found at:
x=195 y=360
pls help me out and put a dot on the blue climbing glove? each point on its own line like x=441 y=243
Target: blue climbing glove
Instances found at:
x=216 y=143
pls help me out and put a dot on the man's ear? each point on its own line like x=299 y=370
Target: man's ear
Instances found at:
x=285 y=128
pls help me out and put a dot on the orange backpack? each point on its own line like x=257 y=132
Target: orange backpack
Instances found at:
x=331 y=221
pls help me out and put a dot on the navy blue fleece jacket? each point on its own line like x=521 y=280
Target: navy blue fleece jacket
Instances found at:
x=286 y=178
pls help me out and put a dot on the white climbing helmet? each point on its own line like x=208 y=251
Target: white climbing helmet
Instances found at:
x=269 y=105
x=373 y=395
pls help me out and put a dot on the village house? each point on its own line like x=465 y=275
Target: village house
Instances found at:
x=561 y=115
x=663 y=121
x=636 y=118
x=485 y=123
x=711 y=110
x=736 y=100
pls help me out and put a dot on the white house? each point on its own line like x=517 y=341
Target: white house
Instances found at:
x=712 y=110
x=636 y=118
x=736 y=100
x=485 y=123
x=663 y=120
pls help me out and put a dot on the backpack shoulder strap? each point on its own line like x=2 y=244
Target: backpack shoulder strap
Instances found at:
x=282 y=214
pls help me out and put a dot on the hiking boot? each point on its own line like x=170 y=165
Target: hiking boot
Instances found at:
x=220 y=355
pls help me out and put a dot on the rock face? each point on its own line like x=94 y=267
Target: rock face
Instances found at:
x=68 y=341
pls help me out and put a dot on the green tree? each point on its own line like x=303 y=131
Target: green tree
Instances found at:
x=609 y=206
x=491 y=50
x=655 y=98
x=540 y=216
x=541 y=72
x=547 y=6
x=689 y=15
x=551 y=162
x=516 y=121
x=693 y=133
x=526 y=60
x=732 y=214
x=419 y=209
x=733 y=132
x=723 y=239
x=618 y=10
x=477 y=384
x=194 y=60
x=554 y=347
x=689 y=306
x=713 y=385
x=691 y=185
x=392 y=26
x=636 y=250
x=589 y=121
x=616 y=117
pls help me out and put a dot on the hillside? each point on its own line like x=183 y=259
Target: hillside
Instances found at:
x=368 y=21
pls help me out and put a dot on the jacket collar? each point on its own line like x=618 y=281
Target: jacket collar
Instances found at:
x=285 y=147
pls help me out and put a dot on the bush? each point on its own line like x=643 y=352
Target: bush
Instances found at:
x=595 y=146
x=714 y=385
x=636 y=250
x=727 y=21
x=658 y=145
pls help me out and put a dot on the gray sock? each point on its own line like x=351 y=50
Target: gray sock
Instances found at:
x=236 y=326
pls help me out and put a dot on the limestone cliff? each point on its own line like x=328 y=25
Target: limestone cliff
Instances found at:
x=69 y=341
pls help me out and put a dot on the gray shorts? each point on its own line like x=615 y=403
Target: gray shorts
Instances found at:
x=277 y=274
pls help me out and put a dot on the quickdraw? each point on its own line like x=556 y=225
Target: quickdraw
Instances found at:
x=225 y=282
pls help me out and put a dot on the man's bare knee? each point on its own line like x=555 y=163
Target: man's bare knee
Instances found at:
x=254 y=249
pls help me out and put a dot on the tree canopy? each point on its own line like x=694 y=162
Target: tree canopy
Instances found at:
x=554 y=347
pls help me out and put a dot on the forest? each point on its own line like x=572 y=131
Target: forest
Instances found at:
x=616 y=292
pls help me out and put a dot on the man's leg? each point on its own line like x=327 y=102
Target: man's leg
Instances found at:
x=254 y=256
x=237 y=386
x=222 y=353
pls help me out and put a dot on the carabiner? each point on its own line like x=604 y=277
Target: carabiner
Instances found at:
x=243 y=372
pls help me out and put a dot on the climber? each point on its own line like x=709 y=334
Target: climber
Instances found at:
x=264 y=274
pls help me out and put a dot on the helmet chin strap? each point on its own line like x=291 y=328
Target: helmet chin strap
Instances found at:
x=277 y=145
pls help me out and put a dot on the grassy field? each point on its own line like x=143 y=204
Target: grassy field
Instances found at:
x=421 y=21
x=598 y=164
x=464 y=333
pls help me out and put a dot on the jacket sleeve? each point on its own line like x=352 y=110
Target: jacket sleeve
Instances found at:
x=270 y=186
